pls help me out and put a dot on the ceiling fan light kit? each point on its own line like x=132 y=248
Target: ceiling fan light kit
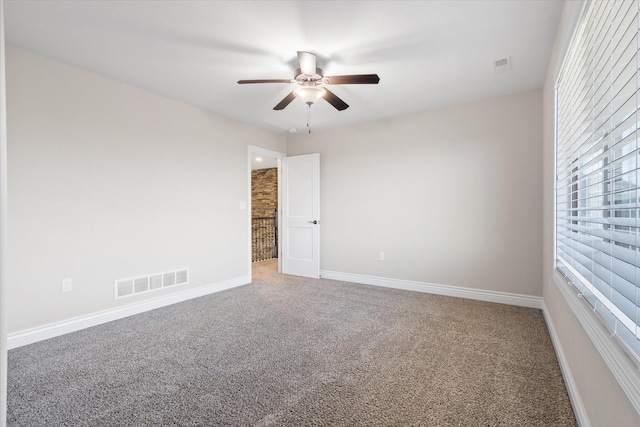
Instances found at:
x=312 y=82
x=309 y=94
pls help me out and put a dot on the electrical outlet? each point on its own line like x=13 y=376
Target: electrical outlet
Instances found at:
x=381 y=256
x=67 y=285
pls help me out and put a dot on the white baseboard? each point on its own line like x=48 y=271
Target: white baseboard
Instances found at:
x=431 y=288
x=572 y=389
x=29 y=336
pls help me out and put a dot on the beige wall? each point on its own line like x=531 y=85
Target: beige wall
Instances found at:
x=452 y=196
x=107 y=181
x=603 y=399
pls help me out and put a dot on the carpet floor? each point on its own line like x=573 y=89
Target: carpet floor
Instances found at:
x=286 y=350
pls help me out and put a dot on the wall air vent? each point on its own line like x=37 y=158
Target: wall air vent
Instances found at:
x=141 y=284
x=155 y=282
x=181 y=277
x=501 y=65
x=124 y=288
x=152 y=282
x=169 y=279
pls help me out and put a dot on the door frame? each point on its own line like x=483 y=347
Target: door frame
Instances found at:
x=252 y=149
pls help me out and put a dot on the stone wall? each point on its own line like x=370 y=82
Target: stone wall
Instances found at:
x=264 y=192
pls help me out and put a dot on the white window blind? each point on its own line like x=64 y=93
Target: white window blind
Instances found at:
x=597 y=194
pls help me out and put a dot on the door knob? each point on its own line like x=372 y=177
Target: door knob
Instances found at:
x=313 y=222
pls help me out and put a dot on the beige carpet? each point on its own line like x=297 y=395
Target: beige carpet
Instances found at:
x=292 y=351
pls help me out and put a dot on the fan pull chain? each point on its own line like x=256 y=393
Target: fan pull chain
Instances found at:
x=309 y=117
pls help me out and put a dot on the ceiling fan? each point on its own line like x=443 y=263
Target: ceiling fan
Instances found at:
x=311 y=81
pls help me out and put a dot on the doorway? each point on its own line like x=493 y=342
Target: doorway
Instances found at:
x=264 y=203
x=297 y=214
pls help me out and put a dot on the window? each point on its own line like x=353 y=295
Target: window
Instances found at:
x=597 y=194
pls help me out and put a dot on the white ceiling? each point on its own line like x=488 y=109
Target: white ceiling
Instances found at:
x=428 y=54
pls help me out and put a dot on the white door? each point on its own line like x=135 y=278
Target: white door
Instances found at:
x=301 y=215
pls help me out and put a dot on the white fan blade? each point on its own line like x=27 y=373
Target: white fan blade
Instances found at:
x=307 y=63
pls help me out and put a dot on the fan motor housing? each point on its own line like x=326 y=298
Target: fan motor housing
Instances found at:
x=307 y=79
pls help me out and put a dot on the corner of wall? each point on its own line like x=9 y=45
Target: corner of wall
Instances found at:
x=3 y=226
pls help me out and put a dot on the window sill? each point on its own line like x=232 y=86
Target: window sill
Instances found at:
x=623 y=368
